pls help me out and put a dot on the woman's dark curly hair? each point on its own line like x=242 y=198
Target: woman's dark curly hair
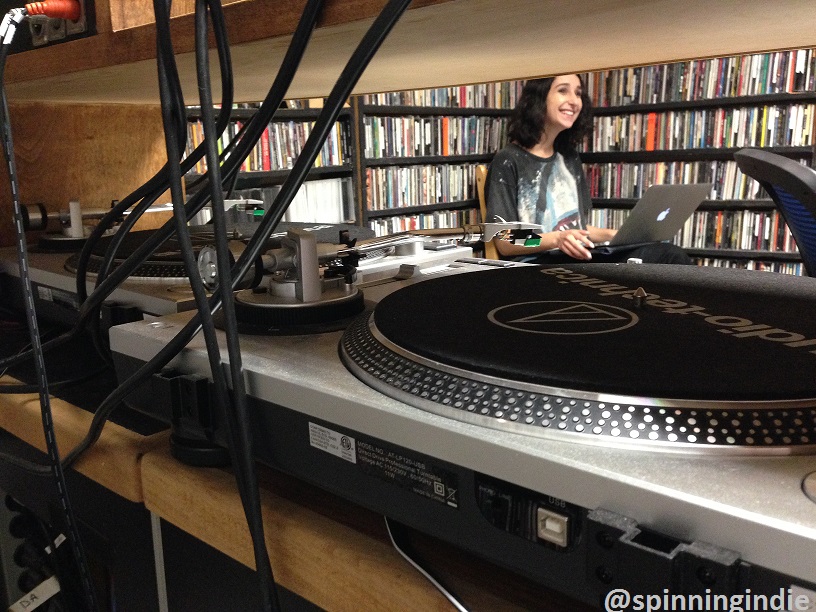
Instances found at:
x=526 y=122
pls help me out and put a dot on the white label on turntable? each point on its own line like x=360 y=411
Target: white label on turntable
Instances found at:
x=45 y=293
x=330 y=441
x=57 y=296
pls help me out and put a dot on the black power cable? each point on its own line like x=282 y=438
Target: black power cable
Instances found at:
x=341 y=91
x=255 y=128
x=238 y=418
x=171 y=108
x=173 y=120
x=53 y=386
x=145 y=196
x=94 y=324
x=354 y=68
x=351 y=73
x=39 y=362
x=90 y=304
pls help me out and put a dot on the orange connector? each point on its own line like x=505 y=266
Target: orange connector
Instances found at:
x=56 y=9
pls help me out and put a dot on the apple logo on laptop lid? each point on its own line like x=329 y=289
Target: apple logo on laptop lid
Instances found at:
x=663 y=214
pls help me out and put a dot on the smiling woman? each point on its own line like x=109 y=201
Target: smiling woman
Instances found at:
x=538 y=178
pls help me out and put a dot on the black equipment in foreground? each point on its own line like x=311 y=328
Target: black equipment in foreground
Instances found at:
x=592 y=427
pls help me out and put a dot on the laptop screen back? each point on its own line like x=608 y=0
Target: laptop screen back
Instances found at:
x=661 y=213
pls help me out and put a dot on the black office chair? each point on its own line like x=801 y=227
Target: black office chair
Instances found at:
x=792 y=187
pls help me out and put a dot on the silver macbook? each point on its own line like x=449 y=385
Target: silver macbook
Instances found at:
x=660 y=214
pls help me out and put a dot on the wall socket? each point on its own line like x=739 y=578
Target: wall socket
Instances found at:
x=45 y=30
x=42 y=31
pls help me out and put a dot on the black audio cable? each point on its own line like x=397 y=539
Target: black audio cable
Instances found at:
x=21 y=387
x=144 y=197
x=351 y=73
x=257 y=124
x=238 y=421
x=94 y=325
x=157 y=185
x=239 y=447
x=255 y=128
x=342 y=89
x=231 y=165
x=164 y=51
x=53 y=386
x=28 y=299
x=82 y=373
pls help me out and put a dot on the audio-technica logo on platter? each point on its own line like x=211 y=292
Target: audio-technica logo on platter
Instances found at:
x=563 y=318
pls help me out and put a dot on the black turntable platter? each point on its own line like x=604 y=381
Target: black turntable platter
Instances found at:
x=666 y=353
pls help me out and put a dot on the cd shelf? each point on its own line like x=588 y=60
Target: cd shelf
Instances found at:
x=411 y=155
x=682 y=123
x=327 y=194
x=418 y=157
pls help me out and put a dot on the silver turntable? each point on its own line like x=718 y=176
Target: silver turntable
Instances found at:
x=579 y=511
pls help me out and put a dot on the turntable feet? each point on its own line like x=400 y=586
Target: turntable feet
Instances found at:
x=198 y=453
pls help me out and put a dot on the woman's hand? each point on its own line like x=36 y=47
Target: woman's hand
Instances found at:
x=575 y=243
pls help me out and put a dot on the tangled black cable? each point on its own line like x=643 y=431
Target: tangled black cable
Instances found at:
x=255 y=128
x=143 y=198
x=235 y=403
x=342 y=89
x=173 y=120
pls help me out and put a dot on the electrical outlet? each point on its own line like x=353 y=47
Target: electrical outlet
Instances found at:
x=43 y=31
x=80 y=25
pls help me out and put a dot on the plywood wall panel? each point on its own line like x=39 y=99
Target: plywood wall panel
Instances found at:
x=94 y=153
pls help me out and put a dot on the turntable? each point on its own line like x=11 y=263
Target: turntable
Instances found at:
x=160 y=286
x=591 y=426
x=573 y=354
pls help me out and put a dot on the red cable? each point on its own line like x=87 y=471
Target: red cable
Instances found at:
x=56 y=9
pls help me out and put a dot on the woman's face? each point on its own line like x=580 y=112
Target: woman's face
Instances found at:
x=563 y=103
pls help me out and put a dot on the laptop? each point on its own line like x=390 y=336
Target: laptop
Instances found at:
x=658 y=215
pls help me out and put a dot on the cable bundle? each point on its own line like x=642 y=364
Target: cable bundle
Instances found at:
x=222 y=171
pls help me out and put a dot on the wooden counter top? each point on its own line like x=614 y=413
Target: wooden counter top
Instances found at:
x=114 y=461
x=330 y=552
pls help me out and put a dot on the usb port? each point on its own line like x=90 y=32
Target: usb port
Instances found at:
x=552 y=527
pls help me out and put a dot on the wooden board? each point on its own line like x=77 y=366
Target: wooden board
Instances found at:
x=93 y=152
x=113 y=462
x=332 y=552
x=436 y=43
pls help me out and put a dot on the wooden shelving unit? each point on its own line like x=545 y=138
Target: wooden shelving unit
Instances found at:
x=692 y=130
